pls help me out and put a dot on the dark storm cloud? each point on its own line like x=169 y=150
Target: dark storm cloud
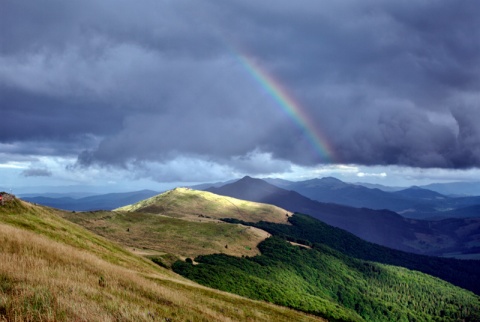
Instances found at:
x=121 y=83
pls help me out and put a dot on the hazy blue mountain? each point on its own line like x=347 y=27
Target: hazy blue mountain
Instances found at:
x=281 y=183
x=74 y=195
x=105 y=201
x=379 y=186
x=456 y=188
x=418 y=193
x=414 y=202
x=384 y=227
x=204 y=186
x=64 y=191
x=330 y=189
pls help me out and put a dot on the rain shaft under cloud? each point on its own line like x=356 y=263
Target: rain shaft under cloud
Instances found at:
x=128 y=84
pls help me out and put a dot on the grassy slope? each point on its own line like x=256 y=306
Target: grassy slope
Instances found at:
x=188 y=217
x=188 y=203
x=152 y=234
x=54 y=270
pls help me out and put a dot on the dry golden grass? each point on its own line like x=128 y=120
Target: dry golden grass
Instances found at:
x=202 y=205
x=53 y=270
x=154 y=234
x=48 y=222
x=184 y=222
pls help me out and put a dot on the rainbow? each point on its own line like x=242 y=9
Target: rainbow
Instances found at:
x=292 y=108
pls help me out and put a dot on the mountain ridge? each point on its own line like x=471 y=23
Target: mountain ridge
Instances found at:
x=414 y=202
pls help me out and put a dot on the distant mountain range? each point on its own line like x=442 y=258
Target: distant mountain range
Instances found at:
x=104 y=201
x=456 y=188
x=414 y=202
x=380 y=186
x=444 y=237
x=332 y=190
x=453 y=189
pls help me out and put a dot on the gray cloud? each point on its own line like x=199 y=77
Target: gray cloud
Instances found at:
x=123 y=84
x=34 y=172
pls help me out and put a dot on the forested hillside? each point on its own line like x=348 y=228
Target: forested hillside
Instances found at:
x=325 y=282
x=310 y=231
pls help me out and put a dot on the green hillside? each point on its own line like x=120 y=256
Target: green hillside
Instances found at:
x=54 y=270
x=306 y=229
x=327 y=283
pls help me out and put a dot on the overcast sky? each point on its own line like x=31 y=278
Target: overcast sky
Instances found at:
x=132 y=94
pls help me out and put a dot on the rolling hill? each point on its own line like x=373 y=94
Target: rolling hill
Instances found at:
x=190 y=218
x=188 y=203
